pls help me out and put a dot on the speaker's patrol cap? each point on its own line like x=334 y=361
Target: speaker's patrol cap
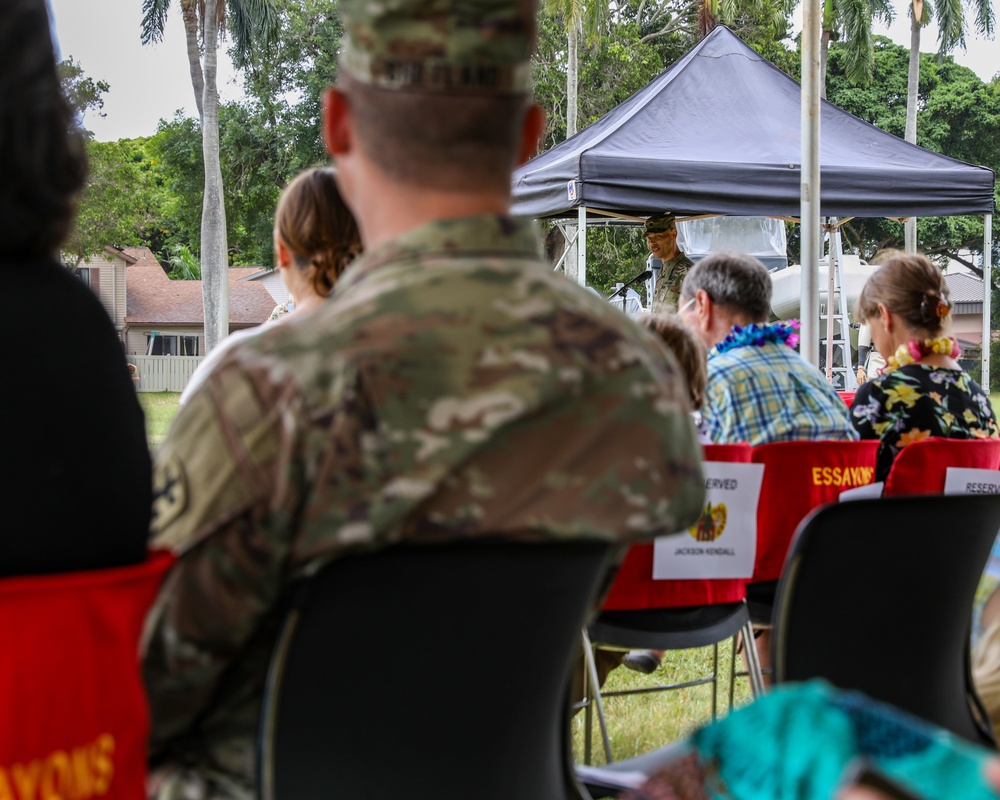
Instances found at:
x=476 y=47
x=661 y=223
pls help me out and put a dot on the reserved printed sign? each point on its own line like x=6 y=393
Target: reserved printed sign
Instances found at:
x=962 y=480
x=723 y=543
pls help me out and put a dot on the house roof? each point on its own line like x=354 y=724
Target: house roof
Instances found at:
x=141 y=256
x=964 y=288
x=246 y=273
x=965 y=292
x=152 y=298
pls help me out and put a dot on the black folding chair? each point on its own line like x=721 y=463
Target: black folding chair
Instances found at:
x=431 y=672
x=877 y=596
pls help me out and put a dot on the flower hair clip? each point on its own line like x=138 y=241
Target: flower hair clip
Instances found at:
x=943 y=309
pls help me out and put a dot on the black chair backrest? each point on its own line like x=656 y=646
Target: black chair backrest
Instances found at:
x=877 y=595
x=431 y=672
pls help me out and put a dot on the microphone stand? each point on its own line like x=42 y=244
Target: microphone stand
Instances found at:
x=642 y=276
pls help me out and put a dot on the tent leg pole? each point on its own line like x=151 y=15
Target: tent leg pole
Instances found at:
x=581 y=250
x=809 y=180
x=987 y=298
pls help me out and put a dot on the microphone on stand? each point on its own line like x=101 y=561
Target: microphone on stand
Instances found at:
x=642 y=276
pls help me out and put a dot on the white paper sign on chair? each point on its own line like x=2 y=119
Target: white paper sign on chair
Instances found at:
x=723 y=543
x=963 y=480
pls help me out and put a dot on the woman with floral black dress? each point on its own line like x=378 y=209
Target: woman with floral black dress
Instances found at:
x=923 y=391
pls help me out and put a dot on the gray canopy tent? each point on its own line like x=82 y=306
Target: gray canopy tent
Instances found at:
x=719 y=133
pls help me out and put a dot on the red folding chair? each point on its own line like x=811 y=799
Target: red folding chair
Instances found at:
x=847 y=397
x=798 y=477
x=76 y=720
x=643 y=612
x=921 y=466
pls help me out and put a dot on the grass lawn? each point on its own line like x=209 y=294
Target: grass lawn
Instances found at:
x=160 y=409
x=642 y=722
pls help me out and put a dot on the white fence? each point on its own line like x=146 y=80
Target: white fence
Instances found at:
x=164 y=373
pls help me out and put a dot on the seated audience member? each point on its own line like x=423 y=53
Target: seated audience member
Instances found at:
x=315 y=238
x=74 y=463
x=405 y=407
x=759 y=388
x=923 y=391
x=810 y=741
x=691 y=356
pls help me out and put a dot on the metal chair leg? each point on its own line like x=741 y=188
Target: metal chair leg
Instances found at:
x=715 y=681
x=732 y=673
x=598 y=703
x=753 y=662
x=587 y=700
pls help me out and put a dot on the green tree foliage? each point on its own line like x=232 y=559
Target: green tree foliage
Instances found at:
x=184 y=265
x=119 y=204
x=284 y=85
x=610 y=72
x=83 y=92
x=959 y=117
x=255 y=168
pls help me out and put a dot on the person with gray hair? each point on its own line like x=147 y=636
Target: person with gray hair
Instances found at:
x=759 y=388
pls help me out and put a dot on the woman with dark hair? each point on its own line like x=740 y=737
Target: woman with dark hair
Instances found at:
x=75 y=473
x=922 y=391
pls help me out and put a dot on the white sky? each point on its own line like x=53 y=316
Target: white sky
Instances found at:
x=147 y=83
x=150 y=83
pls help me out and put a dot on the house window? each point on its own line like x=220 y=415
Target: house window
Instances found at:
x=90 y=276
x=161 y=345
x=189 y=345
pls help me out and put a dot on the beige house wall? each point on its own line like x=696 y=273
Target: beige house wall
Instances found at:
x=111 y=288
x=275 y=286
x=968 y=327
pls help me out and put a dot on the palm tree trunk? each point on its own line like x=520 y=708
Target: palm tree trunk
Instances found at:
x=572 y=79
x=214 y=247
x=912 y=84
x=189 y=12
x=824 y=50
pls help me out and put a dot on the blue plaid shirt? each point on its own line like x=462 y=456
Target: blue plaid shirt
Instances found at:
x=770 y=394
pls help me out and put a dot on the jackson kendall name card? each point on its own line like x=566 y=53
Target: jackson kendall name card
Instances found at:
x=723 y=543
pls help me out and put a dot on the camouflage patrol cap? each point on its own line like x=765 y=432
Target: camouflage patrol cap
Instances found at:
x=661 y=223
x=440 y=46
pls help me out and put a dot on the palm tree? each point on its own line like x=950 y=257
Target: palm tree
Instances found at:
x=252 y=24
x=850 y=20
x=952 y=27
x=711 y=12
x=587 y=17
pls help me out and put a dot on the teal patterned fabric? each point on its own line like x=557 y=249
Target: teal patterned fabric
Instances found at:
x=796 y=742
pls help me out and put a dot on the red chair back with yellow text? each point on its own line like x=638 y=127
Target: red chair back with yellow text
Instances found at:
x=798 y=477
x=76 y=720
x=920 y=466
x=634 y=587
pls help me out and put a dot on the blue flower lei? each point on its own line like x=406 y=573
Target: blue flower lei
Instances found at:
x=754 y=335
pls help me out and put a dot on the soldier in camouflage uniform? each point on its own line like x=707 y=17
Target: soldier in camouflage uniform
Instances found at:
x=661 y=236
x=453 y=386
